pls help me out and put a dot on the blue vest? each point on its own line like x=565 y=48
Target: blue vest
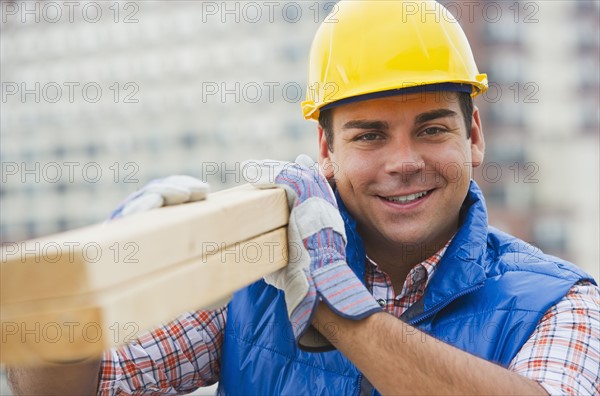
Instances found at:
x=488 y=294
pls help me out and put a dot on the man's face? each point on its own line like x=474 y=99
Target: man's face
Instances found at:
x=402 y=166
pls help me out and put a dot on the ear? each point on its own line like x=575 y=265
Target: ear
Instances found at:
x=477 y=141
x=325 y=159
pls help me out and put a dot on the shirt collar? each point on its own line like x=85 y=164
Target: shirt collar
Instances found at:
x=429 y=265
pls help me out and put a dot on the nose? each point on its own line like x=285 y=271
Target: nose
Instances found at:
x=403 y=158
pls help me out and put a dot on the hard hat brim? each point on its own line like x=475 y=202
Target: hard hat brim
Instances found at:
x=441 y=87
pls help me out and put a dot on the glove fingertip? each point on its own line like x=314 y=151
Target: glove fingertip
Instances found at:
x=305 y=160
x=198 y=196
x=143 y=203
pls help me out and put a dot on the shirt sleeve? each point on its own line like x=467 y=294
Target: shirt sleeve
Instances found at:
x=176 y=358
x=563 y=353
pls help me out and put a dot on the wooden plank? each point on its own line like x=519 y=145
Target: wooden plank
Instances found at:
x=188 y=257
x=76 y=327
x=105 y=255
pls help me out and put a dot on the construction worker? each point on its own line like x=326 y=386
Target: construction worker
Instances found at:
x=401 y=285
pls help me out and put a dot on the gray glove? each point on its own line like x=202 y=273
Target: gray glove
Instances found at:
x=171 y=190
x=317 y=268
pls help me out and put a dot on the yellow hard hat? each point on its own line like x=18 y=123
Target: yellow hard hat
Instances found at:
x=375 y=48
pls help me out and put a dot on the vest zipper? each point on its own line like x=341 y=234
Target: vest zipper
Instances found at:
x=443 y=304
x=360 y=377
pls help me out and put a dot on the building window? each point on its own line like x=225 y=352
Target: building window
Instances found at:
x=507 y=69
x=588 y=76
x=587 y=34
x=550 y=233
x=501 y=29
x=589 y=114
x=189 y=139
x=507 y=150
x=507 y=113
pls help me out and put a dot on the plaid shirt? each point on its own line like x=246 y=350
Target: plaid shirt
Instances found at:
x=563 y=353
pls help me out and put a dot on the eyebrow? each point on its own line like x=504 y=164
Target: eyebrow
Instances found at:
x=382 y=125
x=366 y=124
x=434 y=114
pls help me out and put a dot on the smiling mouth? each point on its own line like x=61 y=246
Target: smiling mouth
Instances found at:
x=404 y=199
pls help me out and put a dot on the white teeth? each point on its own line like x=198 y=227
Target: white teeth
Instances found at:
x=406 y=198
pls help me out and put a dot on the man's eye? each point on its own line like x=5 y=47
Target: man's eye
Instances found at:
x=367 y=137
x=433 y=131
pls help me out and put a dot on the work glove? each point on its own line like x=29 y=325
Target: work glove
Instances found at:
x=317 y=268
x=171 y=190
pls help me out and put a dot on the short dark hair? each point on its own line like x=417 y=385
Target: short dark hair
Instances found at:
x=464 y=99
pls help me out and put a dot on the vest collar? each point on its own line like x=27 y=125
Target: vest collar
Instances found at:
x=462 y=267
x=355 y=249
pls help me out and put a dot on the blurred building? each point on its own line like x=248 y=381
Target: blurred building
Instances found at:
x=541 y=122
x=94 y=107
